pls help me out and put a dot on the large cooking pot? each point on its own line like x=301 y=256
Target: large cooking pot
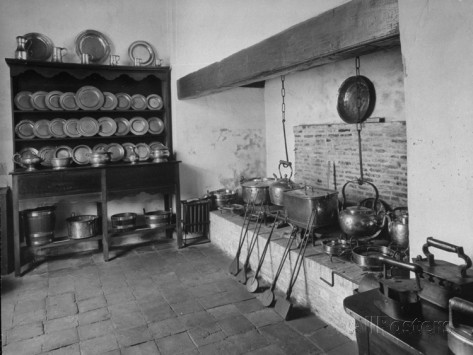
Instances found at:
x=256 y=190
x=83 y=226
x=221 y=198
x=282 y=184
x=300 y=203
x=123 y=221
x=359 y=221
x=356 y=99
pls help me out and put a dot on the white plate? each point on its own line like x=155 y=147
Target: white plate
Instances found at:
x=142 y=50
x=93 y=43
x=116 y=150
x=46 y=154
x=88 y=126
x=63 y=151
x=138 y=102
x=123 y=126
x=143 y=151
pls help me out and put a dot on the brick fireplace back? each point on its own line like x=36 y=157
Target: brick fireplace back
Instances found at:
x=326 y=155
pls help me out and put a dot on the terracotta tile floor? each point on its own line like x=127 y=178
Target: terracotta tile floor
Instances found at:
x=150 y=300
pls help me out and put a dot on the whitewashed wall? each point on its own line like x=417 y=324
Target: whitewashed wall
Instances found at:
x=436 y=38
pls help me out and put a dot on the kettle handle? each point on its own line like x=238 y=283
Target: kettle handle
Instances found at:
x=285 y=164
x=361 y=182
x=451 y=248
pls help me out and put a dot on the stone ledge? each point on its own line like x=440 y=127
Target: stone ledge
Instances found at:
x=322 y=284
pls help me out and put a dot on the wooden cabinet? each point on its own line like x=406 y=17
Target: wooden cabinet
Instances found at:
x=112 y=180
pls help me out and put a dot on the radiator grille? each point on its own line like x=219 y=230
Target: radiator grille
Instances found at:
x=195 y=218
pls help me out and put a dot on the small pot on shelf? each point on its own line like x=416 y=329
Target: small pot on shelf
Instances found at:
x=159 y=153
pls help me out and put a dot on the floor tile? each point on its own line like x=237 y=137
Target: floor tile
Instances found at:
x=99 y=345
x=90 y=304
x=73 y=349
x=133 y=336
x=148 y=348
x=61 y=323
x=248 y=341
x=328 y=338
x=58 y=339
x=235 y=325
x=175 y=344
x=226 y=311
x=96 y=315
x=207 y=334
x=95 y=330
x=23 y=332
x=307 y=324
x=288 y=339
x=167 y=327
x=264 y=317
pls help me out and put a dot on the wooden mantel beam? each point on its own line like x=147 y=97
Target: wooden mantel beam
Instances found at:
x=356 y=28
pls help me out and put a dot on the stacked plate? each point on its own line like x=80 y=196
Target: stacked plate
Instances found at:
x=25 y=129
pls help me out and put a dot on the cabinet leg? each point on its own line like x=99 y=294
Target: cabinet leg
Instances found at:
x=16 y=227
x=104 y=213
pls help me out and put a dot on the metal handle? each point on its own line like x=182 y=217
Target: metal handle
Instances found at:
x=285 y=164
x=361 y=182
x=417 y=269
x=451 y=248
x=459 y=306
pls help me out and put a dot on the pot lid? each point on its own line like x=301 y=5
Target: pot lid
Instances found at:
x=310 y=193
x=258 y=183
x=359 y=210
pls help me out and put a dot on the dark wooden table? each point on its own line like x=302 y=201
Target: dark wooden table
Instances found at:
x=377 y=333
x=102 y=184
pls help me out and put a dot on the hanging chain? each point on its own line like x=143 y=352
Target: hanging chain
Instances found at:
x=283 y=110
x=358 y=123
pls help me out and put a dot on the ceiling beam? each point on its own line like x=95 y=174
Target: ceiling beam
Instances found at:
x=356 y=28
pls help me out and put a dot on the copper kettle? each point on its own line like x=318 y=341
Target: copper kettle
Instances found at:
x=398 y=226
x=358 y=221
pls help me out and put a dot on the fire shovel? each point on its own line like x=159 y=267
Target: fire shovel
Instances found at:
x=284 y=306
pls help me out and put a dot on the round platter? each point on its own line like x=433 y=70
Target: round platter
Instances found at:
x=107 y=126
x=81 y=154
x=38 y=100
x=124 y=101
x=123 y=126
x=23 y=101
x=68 y=101
x=116 y=151
x=142 y=50
x=42 y=129
x=63 y=151
x=88 y=126
x=110 y=101
x=52 y=100
x=138 y=102
x=89 y=98
x=138 y=126
x=46 y=154
x=93 y=43
x=38 y=46
x=25 y=129
x=57 y=127
x=154 y=102
x=156 y=125
x=72 y=128
x=143 y=151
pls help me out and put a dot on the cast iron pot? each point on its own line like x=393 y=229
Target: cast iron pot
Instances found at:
x=81 y=227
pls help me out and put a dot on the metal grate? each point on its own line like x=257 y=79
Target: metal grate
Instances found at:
x=195 y=219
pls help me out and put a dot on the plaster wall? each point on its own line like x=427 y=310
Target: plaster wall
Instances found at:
x=311 y=98
x=436 y=40
x=221 y=137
